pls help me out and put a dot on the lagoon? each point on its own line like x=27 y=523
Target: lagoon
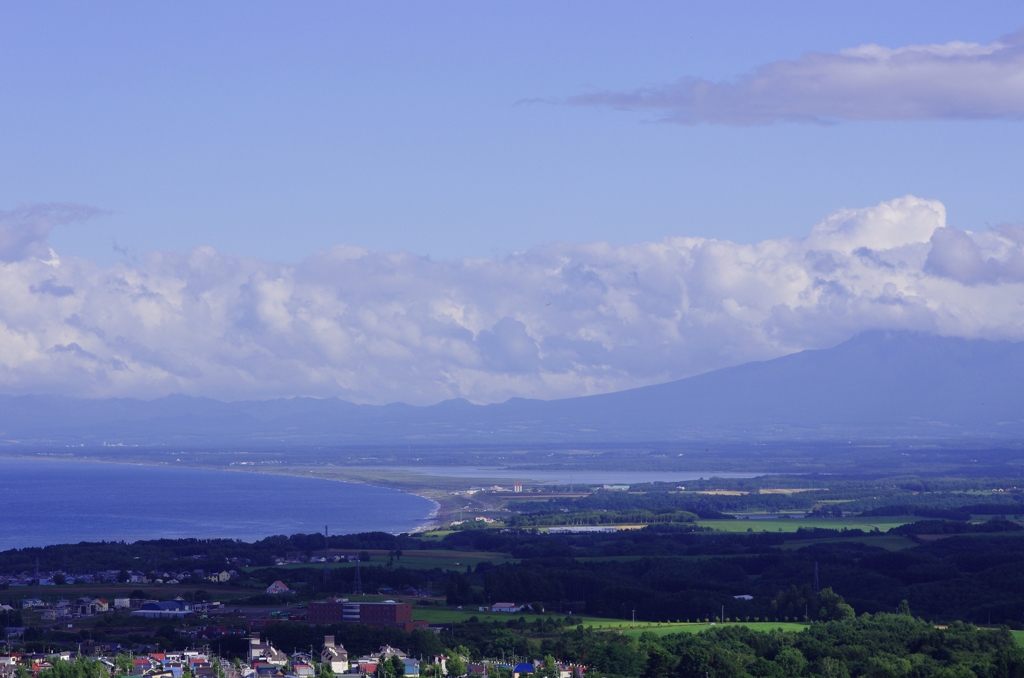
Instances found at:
x=56 y=501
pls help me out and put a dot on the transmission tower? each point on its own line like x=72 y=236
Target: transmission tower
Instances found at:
x=357 y=583
x=325 y=556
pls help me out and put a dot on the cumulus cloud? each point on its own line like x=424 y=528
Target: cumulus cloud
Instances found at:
x=560 y=320
x=23 y=231
x=972 y=259
x=953 y=81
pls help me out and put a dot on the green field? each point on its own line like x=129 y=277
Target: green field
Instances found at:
x=449 y=616
x=794 y=524
x=666 y=629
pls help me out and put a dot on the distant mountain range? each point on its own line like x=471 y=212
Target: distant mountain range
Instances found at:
x=876 y=385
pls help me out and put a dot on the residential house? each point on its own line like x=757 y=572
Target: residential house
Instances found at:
x=506 y=607
x=264 y=652
x=440 y=660
x=334 y=656
x=571 y=670
x=369 y=663
x=89 y=606
x=279 y=587
x=523 y=669
x=387 y=652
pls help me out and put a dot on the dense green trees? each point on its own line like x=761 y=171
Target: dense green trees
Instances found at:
x=881 y=645
x=878 y=645
x=456 y=665
x=81 y=667
x=604 y=517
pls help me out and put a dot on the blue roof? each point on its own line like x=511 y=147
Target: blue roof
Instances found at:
x=523 y=668
x=165 y=605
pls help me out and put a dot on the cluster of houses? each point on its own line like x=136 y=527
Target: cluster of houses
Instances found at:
x=269 y=662
x=293 y=559
x=153 y=665
x=506 y=607
x=65 y=609
x=264 y=661
x=115 y=576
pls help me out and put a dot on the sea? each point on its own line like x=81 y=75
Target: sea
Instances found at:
x=46 y=502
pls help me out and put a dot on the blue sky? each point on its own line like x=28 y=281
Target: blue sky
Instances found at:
x=276 y=130
x=413 y=202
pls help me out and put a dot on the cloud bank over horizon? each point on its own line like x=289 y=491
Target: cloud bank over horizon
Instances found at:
x=952 y=81
x=559 y=320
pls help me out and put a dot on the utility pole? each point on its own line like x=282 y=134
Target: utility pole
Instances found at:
x=817 y=589
x=325 y=559
x=632 y=624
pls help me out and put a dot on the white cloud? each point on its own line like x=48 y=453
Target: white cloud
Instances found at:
x=954 y=81
x=560 y=320
x=23 y=231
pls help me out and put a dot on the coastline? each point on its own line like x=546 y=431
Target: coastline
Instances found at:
x=447 y=494
x=413 y=518
x=438 y=490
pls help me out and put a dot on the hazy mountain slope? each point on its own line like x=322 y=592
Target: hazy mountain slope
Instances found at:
x=876 y=384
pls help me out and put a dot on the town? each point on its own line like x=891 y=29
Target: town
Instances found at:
x=260 y=659
x=795 y=575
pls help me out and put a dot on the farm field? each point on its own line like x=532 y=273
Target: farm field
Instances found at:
x=449 y=616
x=668 y=629
x=794 y=524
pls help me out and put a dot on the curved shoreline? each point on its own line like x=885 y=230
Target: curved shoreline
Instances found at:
x=421 y=521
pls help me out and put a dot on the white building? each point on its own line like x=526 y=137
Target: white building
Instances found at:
x=334 y=655
x=265 y=652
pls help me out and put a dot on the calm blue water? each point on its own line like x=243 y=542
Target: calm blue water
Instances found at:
x=56 y=502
